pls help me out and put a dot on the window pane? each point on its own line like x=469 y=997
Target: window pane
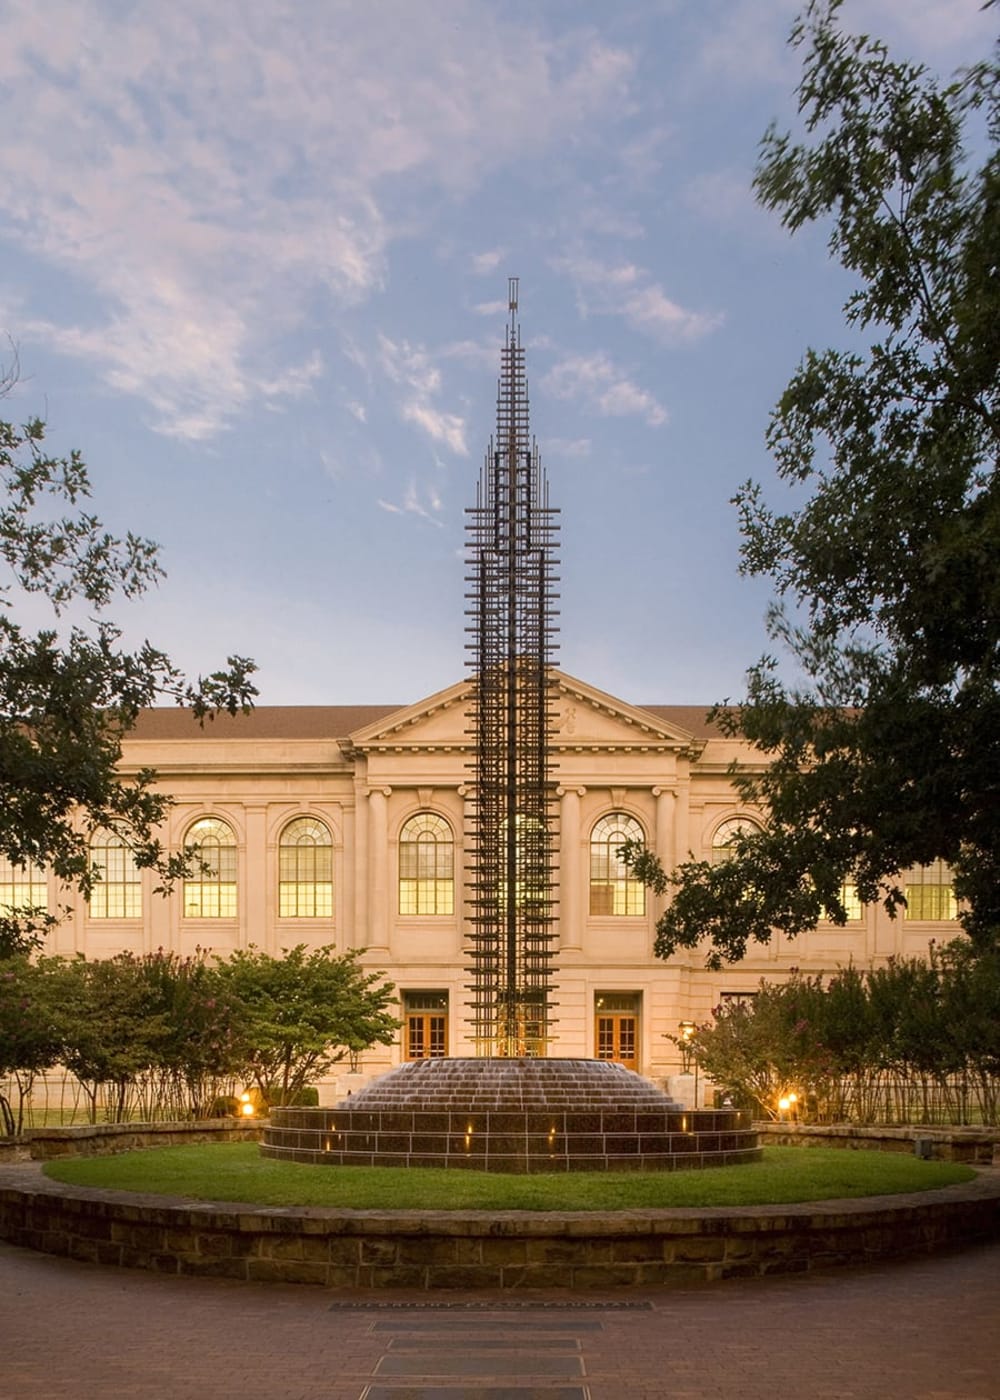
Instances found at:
x=118 y=895
x=305 y=870
x=426 y=866
x=725 y=833
x=211 y=894
x=613 y=888
x=22 y=887
x=929 y=892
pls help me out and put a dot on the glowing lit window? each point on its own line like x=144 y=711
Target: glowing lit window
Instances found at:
x=614 y=890
x=851 y=901
x=531 y=863
x=725 y=834
x=853 y=907
x=22 y=887
x=118 y=894
x=305 y=870
x=211 y=892
x=426 y=866
x=929 y=892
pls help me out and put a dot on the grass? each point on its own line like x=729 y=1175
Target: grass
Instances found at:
x=237 y=1172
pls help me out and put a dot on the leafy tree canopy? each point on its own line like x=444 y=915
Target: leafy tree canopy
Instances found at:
x=69 y=693
x=303 y=1012
x=885 y=752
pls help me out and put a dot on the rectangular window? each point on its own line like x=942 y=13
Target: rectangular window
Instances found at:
x=118 y=895
x=22 y=887
x=116 y=901
x=426 y=896
x=208 y=900
x=853 y=907
x=929 y=893
x=305 y=882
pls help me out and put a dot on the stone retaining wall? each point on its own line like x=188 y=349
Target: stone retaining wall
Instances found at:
x=469 y=1249
x=104 y=1139
x=950 y=1144
x=477 y=1249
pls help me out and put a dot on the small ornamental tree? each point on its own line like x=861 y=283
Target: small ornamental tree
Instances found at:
x=111 y=1027
x=301 y=1013
x=194 y=1040
x=30 y=1033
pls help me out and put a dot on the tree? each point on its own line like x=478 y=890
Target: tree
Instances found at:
x=886 y=752
x=30 y=1034
x=111 y=1028
x=68 y=695
x=301 y=1013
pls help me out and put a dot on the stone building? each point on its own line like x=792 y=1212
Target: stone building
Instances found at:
x=344 y=825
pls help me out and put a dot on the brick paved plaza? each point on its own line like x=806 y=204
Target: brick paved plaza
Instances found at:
x=924 y=1329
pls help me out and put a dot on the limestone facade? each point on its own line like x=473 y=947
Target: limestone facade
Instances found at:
x=390 y=785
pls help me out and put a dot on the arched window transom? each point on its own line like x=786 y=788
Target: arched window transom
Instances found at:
x=305 y=870
x=726 y=833
x=211 y=892
x=426 y=866
x=614 y=890
x=118 y=893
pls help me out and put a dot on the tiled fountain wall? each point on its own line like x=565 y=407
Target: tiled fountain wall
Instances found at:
x=511 y=1116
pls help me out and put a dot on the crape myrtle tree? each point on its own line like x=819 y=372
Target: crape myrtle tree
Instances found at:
x=70 y=693
x=301 y=1013
x=885 y=752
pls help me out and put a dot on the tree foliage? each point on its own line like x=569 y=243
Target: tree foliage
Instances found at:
x=915 y=1040
x=30 y=1039
x=303 y=1012
x=70 y=693
x=885 y=753
x=161 y=1036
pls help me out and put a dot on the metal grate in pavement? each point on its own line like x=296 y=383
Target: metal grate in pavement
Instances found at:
x=501 y=1306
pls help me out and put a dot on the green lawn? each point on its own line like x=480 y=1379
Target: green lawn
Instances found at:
x=237 y=1172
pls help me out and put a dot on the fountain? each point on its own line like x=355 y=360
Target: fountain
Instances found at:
x=512 y=1107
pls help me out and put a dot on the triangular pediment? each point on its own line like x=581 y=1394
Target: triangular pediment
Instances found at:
x=585 y=718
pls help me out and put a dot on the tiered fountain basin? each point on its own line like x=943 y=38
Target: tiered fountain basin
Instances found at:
x=511 y=1115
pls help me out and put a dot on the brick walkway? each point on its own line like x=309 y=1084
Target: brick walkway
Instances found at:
x=924 y=1329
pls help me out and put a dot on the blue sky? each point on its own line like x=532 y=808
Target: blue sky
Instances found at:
x=255 y=259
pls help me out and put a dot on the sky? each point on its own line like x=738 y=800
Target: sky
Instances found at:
x=254 y=259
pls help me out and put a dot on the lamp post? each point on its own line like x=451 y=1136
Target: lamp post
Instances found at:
x=687 y=1030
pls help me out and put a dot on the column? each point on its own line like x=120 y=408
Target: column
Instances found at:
x=257 y=921
x=570 y=917
x=664 y=838
x=358 y=856
x=683 y=844
x=378 y=858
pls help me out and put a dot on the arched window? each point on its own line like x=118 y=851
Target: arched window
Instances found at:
x=305 y=870
x=22 y=887
x=929 y=892
x=211 y=891
x=426 y=866
x=726 y=832
x=118 y=893
x=614 y=889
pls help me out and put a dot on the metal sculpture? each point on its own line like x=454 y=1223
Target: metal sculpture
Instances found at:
x=512 y=533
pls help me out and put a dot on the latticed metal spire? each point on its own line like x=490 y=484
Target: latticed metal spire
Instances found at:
x=512 y=533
